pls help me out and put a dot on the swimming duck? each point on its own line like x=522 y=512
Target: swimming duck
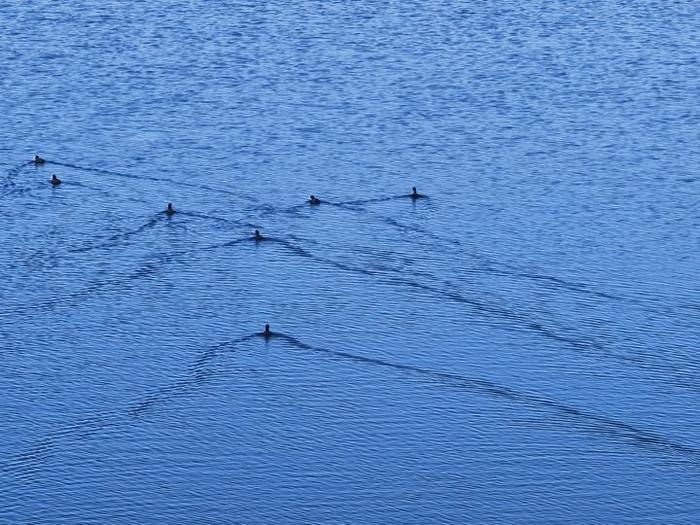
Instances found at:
x=38 y=160
x=314 y=200
x=55 y=180
x=257 y=236
x=170 y=210
x=415 y=194
x=266 y=333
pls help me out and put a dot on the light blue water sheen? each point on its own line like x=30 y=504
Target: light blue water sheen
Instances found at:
x=520 y=347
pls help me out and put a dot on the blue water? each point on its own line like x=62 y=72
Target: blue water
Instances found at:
x=518 y=347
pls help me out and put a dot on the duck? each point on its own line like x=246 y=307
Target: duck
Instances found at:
x=55 y=180
x=38 y=160
x=415 y=194
x=257 y=236
x=266 y=333
x=170 y=210
x=314 y=200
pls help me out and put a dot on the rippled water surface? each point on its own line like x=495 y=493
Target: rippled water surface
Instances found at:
x=520 y=346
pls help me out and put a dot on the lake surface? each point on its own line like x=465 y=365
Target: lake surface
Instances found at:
x=520 y=346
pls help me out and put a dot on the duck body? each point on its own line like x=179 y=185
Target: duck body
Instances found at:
x=266 y=332
x=314 y=201
x=55 y=180
x=257 y=236
x=170 y=210
x=38 y=160
x=415 y=195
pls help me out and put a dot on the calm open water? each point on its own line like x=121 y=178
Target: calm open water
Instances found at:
x=520 y=347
